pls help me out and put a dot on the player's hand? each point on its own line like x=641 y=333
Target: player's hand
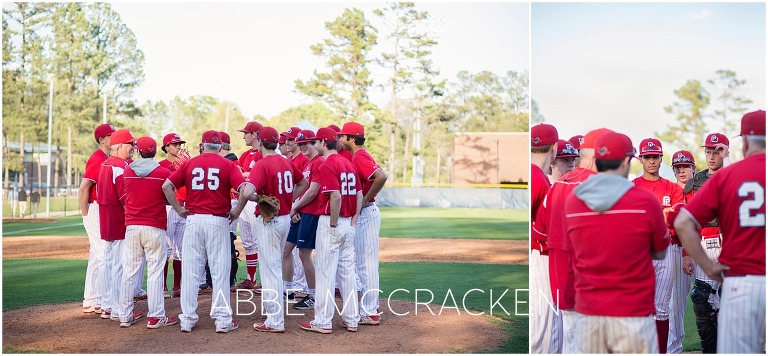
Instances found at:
x=688 y=265
x=715 y=270
x=232 y=216
x=295 y=216
x=724 y=153
x=183 y=213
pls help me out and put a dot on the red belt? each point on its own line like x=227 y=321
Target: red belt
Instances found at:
x=730 y=273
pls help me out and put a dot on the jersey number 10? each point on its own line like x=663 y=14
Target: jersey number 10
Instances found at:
x=285 y=181
x=198 y=176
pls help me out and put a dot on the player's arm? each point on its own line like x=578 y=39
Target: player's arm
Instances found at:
x=686 y=228
x=245 y=191
x=660 y=232
x=170 y=195
x=335 y=207
x=85 y=189
x=305 y=199
x=379 y=179
x=300 y=188
x=358 y=207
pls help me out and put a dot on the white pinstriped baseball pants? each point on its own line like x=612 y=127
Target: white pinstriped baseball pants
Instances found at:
x=367 y=258
x=680 y=289
x=113 y=271
x=206 y=237
x=248 y=228
x=597 y=334
x=546 y=325
x=143 y=242
x=664 y=282
x=335 y=254
x=175 y=230
x=271 y=239
x=93 y=294
x=741 y=322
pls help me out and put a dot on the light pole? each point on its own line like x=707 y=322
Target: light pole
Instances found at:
x=226 y=118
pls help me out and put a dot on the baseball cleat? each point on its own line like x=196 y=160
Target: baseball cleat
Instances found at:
x=370 y=320
x=142 y=295
x=156 y=323
x=90 y=309
x=290 y=298
x=228 y=328
x=351 y=329
x=305 y=304
x=257 y=289
x=310 y=326
x=263 y=327
x=133 y=320
x=245 y=284
x=186 y=329
x=176 y=293
x=106 y=314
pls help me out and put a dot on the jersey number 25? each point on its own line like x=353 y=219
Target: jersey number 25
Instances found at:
x=198 y=176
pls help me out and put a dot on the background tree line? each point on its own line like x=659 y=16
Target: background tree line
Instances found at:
x=91 y=54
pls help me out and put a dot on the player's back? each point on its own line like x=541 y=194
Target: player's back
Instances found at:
x=338 y=174
x=91 y=171
x=365 y=167
x=144 y=197
x=208 y=179
x=111 y=169
x=275 y=175
x=558 y=193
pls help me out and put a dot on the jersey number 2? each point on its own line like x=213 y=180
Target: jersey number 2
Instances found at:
x=746 y=219
x=348 y=181
x=198 y=175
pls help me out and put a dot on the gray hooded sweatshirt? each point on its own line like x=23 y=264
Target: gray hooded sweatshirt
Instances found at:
x=143 y=166
x=600 y=192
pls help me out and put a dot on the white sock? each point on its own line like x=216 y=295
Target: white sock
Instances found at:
x=288 y=285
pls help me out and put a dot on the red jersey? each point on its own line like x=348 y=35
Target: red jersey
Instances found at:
x=551 y=218
x=181 y=193
x=144 y=198
x=92 y=171
x=248 y=159
x=613 y=266
x=312 y=175
x=365 y=167
x=300 y=161
x=667 y=194
x=167 y=165
x=109 y=192
x=736 y=197
x=208 y=179
x=275 y=175
x=539 y=187
x=338 y=174
x=346 y=154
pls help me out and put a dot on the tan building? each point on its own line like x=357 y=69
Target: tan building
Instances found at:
x=491 y=157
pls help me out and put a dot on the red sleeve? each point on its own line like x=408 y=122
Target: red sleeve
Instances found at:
x=178 y=176
x=235 y=176
x=91 y=170
x=258 y=177
x=678 y=194
x=366 y=166
x=703 y=207
x=328 y=180
x=660 y=234
x=298 y=176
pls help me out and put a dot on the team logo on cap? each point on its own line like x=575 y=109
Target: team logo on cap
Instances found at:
x=713 y=138
x=300 y=137
x=111 y=127
x=569 y=149
x=176 y=137
x=581 y=140
x=535 y=140
x=680 y=156
x=603 y=151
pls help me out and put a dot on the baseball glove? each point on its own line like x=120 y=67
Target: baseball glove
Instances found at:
x=182 y=157
x=269 y=206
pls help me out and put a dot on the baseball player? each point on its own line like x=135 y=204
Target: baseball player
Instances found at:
x=614 y=279
x=704 y=294
x=339 y=205
x=684 y=165
x=292 y=145
x=172 y=146
x=299 y=282
x=550 y=229
x=109 y=189
x=93 y=294
x=343 y=152
x=145 y=221
x=565 y=160
x=735 y=196
x=576 y=141
x=275 y=176
x=209 y=179
x=305 y=211
x=546 y=325
x=667 y=194
x=372 y=178
x=248 y=219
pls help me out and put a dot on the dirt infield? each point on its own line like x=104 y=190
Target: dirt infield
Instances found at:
x=62 y=328
x=391 y=249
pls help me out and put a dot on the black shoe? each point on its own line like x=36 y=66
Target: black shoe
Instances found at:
x=305 y=304
x=290 y=298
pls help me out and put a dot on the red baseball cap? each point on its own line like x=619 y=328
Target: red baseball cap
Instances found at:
x=268 y=134
x=225 y=137
x=103 y=130
x=753 y=123
x=714 y=139
x=613 y=145
x=650 y=146
x=353 y=129
x=326 y=134
x=682 y=158
x=172 y=138
x=292 y=132
x=121 y=136
x=212 y=136
x=251 y=126
x=305 y=136
x=334 y=127
x=576 y=141
x=590 y=139
x=281 y=140
x=146 y=144
x=543 y=135
x=565 y=149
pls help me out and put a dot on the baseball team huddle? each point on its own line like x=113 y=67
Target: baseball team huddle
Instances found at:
x=320 y=187
x=613 y=261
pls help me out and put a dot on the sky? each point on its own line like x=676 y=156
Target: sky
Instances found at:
x=617 y=65
x=251 y=53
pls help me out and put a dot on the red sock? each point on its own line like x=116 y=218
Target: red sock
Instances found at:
x=251 y=261
x=662 y=329
x=165 y=276
x=176 y=274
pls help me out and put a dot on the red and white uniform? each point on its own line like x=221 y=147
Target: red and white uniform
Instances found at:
x=109 y=190
x=615 y=287
x=736 y=197
x=346 y=154
x=300 y=161
x=176 y=224
x=335 y=247
x=145 y=220
x=274 y=175
x=93 y=293
x=367 y=237
x=311 y=172
x=546 y=325
x=247 y=161
x=208 y=179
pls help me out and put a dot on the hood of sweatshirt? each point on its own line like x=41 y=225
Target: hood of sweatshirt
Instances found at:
x=600 y=192
x=143 y=166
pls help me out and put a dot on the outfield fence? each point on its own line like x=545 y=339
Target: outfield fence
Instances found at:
x=491 y=196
